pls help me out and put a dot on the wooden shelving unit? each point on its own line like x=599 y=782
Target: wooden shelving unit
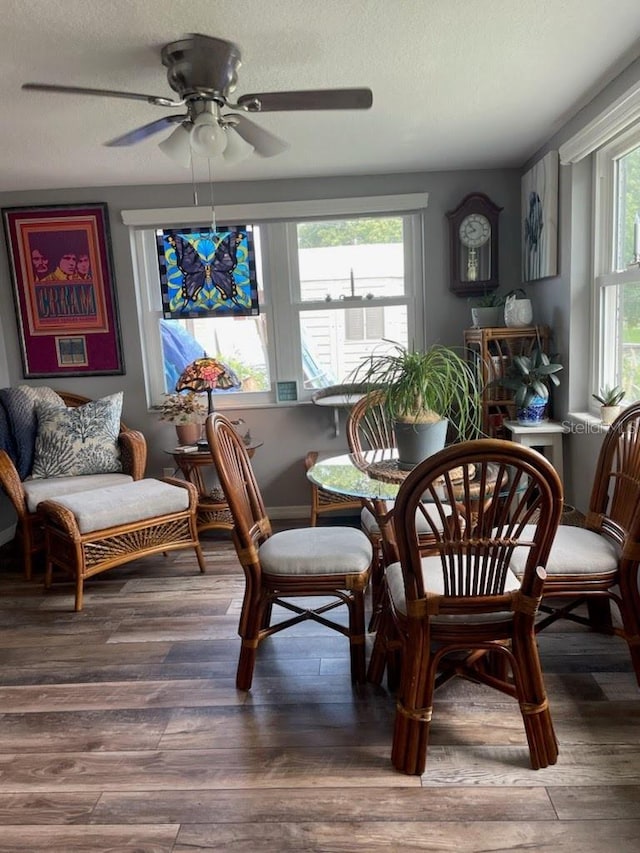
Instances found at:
x=492 y=350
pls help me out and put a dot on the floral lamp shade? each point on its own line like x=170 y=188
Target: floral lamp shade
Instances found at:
x=207 y=375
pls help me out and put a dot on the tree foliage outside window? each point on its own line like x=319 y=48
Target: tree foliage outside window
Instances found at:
x=315 y=235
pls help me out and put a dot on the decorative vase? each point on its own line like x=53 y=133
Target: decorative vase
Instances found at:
x=608 y=414
x=188 y=433
x=417 y=441
x=518 y=312
x=534 y=414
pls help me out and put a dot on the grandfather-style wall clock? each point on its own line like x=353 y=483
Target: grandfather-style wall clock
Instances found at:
x=473 y=242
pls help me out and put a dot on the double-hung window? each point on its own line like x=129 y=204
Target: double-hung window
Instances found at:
x=617 y=264
x=331 y=291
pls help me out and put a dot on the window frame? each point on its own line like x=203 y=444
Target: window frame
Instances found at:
x=277 y=223
x=606 y=344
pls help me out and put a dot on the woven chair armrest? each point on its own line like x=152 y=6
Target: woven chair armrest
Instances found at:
x=183 y=484
x=10 y=482
x=133 y=453
x=62 y=517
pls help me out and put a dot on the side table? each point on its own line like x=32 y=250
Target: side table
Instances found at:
x=547 y=435
x=213 y=511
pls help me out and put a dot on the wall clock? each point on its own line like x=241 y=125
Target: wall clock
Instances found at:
x=473 y=244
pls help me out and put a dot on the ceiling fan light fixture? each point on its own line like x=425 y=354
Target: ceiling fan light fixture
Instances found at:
x=177 y=146
x=237 y=148
x=208 y=139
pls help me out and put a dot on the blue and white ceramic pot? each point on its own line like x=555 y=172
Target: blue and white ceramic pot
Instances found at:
x=534 y=414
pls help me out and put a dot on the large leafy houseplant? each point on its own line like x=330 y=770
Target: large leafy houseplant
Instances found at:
x=425 y=386
x=530 y=376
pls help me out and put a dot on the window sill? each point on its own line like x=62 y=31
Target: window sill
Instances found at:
x=584 y=423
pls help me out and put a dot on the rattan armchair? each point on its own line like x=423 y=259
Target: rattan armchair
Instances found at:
x=460 y=611
x=332 y=563
x=30 y=529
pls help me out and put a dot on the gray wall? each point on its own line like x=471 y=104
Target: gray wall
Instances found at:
x=288 y=432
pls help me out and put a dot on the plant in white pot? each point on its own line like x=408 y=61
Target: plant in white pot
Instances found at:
x=425 y=392
x=529 y=377
x=609 y=399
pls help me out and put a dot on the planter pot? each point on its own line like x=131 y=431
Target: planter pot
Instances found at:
x=608 y=414
x=417 y=441
x=188 y=433
x=487 y=318
x=534 y=414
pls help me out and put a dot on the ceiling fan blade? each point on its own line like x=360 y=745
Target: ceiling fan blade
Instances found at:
x=312 y=99
x=146 y=130
x=108 y=93
x=266 y=144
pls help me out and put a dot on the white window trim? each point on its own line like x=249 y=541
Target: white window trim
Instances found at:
x=605 y=274
x=615 y=119
x=148 y=299
x=276 y=211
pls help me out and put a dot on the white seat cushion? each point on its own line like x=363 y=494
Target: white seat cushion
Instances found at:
x=369 y=523
x=54 y=487
x=575 y=551
x=434 y=582
x=124 y=504
x=316 y=551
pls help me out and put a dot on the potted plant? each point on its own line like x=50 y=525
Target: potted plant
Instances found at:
x=528 y=376
x=487 y=310
x=187 y=411
x=425 y=391
x=609 y=399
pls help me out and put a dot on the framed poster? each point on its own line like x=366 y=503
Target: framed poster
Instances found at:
x=61 y=268
x=540 y=219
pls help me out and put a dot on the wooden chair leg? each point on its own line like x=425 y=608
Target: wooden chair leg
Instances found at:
x=357 y=639
x=415 y=706
x=534 y=705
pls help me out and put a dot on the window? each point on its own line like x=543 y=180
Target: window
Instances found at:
x=330 y=290
x=617 y=264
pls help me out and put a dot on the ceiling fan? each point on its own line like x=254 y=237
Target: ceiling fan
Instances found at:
x=203 y=70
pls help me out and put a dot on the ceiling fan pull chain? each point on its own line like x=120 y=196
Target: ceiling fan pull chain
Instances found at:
x=213 y=210
x=194 y=184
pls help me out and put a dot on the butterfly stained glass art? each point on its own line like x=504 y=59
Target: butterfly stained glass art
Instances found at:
x=207 y=273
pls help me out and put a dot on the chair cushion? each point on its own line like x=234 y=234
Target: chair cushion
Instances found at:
x=54 y=487
x=316 y=551
x=370 y=525
x=100 y=509
x=575 y=551
x=76 y=441
x=433 y=582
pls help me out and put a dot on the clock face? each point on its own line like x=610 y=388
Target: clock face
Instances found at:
x=475 y=230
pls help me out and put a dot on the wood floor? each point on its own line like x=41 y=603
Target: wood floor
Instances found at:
x=121 y=730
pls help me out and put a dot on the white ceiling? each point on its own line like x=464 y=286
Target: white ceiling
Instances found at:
x=457 y=84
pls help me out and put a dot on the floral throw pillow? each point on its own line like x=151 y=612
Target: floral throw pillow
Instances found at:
x=81 y=440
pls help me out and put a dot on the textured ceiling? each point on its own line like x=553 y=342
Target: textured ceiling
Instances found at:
x=457 y=84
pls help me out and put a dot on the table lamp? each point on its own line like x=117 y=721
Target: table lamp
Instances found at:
x=207 y=375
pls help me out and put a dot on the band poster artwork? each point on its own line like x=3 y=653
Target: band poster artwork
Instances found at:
x=63 y=289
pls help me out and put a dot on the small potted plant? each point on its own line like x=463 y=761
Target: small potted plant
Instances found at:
x=529 y=377
x=425 y=391
x=487 y=310
x=609 y=399
x=187 y=411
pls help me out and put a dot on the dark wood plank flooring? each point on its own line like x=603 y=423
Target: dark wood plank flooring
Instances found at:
x=121 y=730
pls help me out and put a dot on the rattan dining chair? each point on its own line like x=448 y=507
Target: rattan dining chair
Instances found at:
x=460 y=611
x=369 y=428
x=598 y=564
x=330 y=562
